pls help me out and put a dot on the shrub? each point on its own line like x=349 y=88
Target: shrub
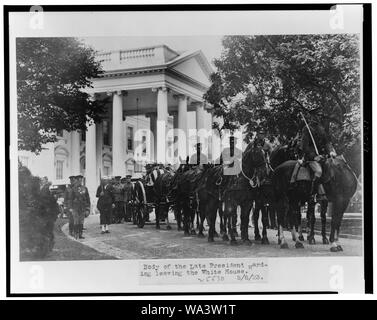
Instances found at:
x=38 y=213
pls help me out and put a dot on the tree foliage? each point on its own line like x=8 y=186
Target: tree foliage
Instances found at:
x=38 y=213
x=266 y=81
x=51 y=76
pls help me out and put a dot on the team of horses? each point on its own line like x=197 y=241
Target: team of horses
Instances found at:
x=204 y=192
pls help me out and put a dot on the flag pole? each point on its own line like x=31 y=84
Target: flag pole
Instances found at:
x=311 y=135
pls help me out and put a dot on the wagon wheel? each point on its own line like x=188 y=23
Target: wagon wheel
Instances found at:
x=141 y=215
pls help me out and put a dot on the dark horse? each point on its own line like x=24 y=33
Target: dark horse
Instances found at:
x=234 y=190
x=340 y=185
x=339 y=182
x=162 y=196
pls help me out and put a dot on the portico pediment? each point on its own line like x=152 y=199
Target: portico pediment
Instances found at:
x=193 y=66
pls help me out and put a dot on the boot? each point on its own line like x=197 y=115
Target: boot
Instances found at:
x=76 y=231
x=315 y=184
x=80 y=231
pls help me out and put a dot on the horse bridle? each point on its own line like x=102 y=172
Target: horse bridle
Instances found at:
x=266 y=162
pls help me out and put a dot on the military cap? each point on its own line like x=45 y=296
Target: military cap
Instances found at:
x=117 y=177
x=123 y=179
x=79 y=176
x=72 y=177
x=128 y=176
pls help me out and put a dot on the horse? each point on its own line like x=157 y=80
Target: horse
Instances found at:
x=186 y=195
x=340 y=184
x=234 y=190
x=264 y=199
x=162 y=192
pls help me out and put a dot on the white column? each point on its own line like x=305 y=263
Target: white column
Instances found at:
x=153 y=141
x=162 y=122
x=99 y=143
x=75 y=152
x=182 y=125
x=118 y=145
x=200 y=116
x=91 y=163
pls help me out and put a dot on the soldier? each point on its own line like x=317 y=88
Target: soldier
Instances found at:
x=105 y=204
x=127 y=193
x=117 y=190
x=262 y=141
x=232 y=158
x=198 y=158
x=80 y=204
x=68 y=197
x=314 y=151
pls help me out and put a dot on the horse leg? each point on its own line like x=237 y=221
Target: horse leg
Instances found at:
x=245 y=213
x=202 y=218
x=265 y=225
x=293 y=215
x=232 y=217
x=324 y=204
x=299 y=224
x=186 y=218
x=311 y=221
x=157 y=213
x=168 y=227
x=272 y=215
x=222 y=219
x=257 y=236
x=281 y=211
x=211 y=211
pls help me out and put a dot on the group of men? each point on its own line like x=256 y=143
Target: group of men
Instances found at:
x=76 y=205
x=114 y=201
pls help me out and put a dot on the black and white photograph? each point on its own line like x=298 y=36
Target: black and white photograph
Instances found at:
x=187 y=151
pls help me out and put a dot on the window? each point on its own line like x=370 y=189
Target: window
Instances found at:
x=83 y=135
x=144 y=142
x=130 y=138
x=59 y=169
x=138 y=166
x=106 y=132
x=106 y=171
x=59 y=133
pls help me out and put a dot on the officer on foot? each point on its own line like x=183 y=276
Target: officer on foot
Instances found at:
x=80 y=204
x=68 y=197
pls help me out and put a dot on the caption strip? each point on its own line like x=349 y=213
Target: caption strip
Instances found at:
x=207 y=271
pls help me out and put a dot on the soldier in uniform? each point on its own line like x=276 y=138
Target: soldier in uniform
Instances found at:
x=127 y=193
x=232 y=158
x=68 y=197
x=262 y=141
x=105 y=204
x=313 y=156
x=198 y=158
x=117 y=190
x=80 y=204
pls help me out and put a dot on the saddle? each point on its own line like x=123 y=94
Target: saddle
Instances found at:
x=301 y=173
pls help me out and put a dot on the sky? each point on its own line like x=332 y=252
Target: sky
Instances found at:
x=210 y=45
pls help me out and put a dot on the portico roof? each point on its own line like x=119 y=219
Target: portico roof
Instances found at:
x=190 y=67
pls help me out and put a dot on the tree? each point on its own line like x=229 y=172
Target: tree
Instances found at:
x=266 y=81
x=52 y=74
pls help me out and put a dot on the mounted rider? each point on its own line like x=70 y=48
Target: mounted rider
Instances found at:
x=198 y=158
x=315 y=145
x=262 y=141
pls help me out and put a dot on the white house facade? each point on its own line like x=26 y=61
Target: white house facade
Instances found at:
x=151 y=91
